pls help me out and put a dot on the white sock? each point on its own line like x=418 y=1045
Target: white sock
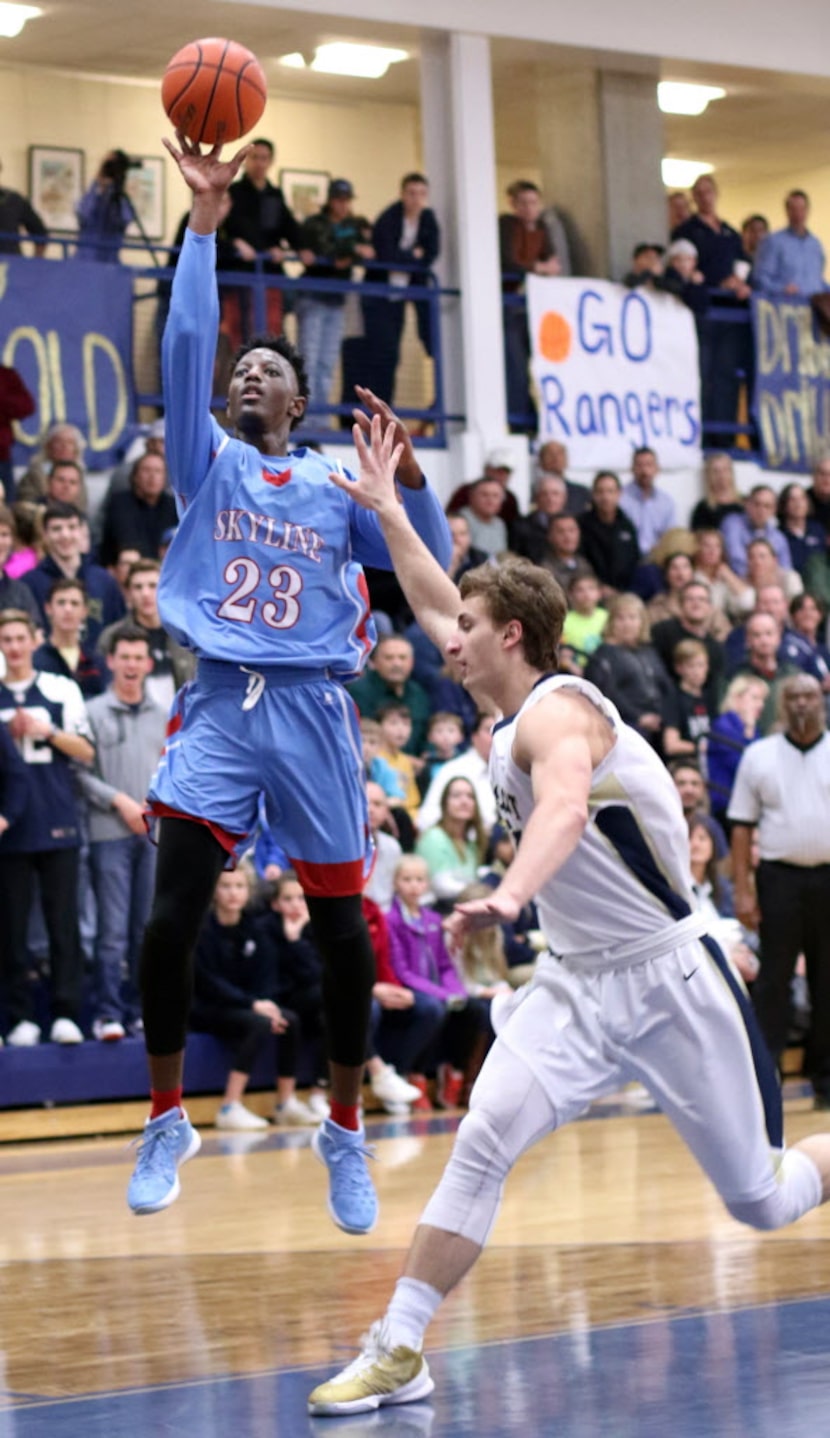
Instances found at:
x=412 y=1309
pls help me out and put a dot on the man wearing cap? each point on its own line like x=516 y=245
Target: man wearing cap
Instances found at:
x=498 y=465
x=330 y=244
x=682 y=278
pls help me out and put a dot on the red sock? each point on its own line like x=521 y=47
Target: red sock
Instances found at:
x=164 y=1099
x=347 y=1115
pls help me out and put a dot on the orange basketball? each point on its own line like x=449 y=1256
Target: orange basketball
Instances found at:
x=213 y=91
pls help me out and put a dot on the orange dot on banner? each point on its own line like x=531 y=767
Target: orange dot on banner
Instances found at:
x=554 y=336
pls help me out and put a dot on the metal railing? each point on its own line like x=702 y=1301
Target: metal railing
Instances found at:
x=250 y=297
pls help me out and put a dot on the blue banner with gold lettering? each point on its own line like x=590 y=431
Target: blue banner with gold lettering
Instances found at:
x=66 y=327
x=792 y=384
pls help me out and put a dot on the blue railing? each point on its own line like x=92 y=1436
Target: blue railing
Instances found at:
x=247 y=291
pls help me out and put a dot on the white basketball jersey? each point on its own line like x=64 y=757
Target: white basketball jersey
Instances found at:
x=628 y=881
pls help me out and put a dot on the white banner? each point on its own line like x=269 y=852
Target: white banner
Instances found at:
x=615 y=369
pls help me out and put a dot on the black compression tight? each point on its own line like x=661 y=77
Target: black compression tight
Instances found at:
x=190 y=861
x=342 y=938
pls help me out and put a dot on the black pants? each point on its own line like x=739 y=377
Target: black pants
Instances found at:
x=722 y=347
x=57 y=870
x=246 y=1033
x=795 y=918
x=190 y=861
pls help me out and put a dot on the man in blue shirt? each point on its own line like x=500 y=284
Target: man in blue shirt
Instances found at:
x=791 y=261
x=264 y=581
x=650 y=509
x=757 y=522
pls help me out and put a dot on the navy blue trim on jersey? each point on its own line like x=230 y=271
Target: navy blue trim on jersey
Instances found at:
x=510 y=717
x=765 y=1073
x=618 y=825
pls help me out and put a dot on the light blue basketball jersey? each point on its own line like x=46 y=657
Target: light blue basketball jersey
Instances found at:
x=266 y=565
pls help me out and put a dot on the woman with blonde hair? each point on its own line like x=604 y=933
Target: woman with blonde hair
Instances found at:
x=480 y=957
x=482 y=966
x=735 y=728
x=721 y=495
x=628 y=670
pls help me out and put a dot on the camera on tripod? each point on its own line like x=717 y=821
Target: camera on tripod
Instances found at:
x=116 y=167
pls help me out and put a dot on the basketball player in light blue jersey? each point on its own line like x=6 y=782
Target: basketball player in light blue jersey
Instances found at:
x=632 y=987
x=264 y=581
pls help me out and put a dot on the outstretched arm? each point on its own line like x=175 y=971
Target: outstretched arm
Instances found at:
x=189 y=344
x=431 y=594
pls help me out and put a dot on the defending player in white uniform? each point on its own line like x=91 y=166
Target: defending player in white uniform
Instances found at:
x=632 y=987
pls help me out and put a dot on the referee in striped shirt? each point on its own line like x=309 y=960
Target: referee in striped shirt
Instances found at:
x=782 y=787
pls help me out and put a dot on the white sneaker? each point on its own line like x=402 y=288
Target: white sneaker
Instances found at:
x=389 y=1087
x=296 y=1113
x=108 y=1031
x=319 y=1105
x=237 y=1116
x=24 y=1035
x=65 y=1031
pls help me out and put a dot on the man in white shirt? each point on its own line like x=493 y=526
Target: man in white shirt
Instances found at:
x=783 y=786
x=472 y=765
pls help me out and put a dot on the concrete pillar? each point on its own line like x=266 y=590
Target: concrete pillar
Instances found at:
x=600 y=137
x=460 y=159
x=632 y=148
x=570 y=157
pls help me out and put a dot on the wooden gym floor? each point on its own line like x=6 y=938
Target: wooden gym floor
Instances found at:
x=617 y=1298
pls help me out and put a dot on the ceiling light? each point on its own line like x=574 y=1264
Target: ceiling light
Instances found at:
x=362 y=62
x=677 y=99
x=680 y=174
x=14 y=17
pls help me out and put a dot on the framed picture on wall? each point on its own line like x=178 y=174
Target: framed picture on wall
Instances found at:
x=56 y=184
x=144 y=186
x=304 y=190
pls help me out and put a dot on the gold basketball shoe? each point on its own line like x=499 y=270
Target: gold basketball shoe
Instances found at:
x=378 y=1376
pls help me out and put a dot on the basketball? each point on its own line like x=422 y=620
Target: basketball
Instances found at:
x=214 y=91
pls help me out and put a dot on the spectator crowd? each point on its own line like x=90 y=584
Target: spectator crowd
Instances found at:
x=708 y=632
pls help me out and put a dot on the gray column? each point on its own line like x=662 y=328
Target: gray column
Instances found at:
x=632 y=147
x=600 y=137
x=460 y=160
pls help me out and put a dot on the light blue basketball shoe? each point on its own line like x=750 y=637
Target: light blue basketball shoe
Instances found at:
x=353 y=1203
x=167 y=1142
